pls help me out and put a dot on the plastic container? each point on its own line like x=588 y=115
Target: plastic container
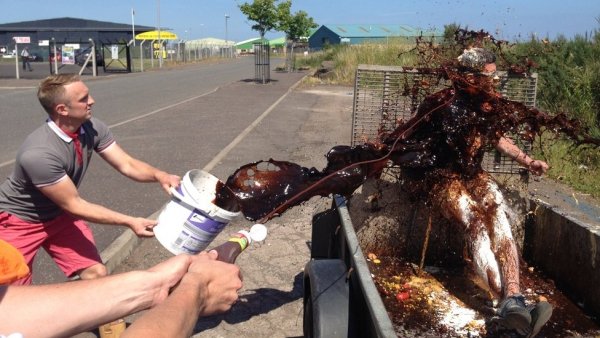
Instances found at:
x=190 y=221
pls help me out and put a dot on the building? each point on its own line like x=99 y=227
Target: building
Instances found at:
x=247 y=46
x=41 y=33
x=276 y=45
x=357 y=34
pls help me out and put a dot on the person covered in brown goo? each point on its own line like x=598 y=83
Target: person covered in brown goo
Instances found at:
x=441 y=157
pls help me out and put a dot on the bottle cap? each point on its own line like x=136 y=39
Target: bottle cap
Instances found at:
x=258 y=232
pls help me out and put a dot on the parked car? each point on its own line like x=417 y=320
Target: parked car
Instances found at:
x=58 y=57
x=82 y=56
x=35 y=57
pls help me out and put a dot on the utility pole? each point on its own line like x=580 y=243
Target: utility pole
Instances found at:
x=226 y=38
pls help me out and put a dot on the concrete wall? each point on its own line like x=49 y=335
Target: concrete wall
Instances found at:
x=566 y=249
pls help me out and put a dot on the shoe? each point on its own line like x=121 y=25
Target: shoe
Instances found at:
x=540 y=314
x=514 y=315
x=113 y=329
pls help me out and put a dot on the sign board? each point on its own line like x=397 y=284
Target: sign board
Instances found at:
x=68 y=55
x=154 y=35
x=22 y=39
x=114 y=52
x=43 y=42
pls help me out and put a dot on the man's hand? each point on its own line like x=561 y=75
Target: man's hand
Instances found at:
x=142 y=227
x=169 y=273
x=218 y=282
x=538 y=167
x=168 y=181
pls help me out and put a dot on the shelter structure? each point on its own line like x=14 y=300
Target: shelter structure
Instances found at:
x=356 y=34
x=68 y=30
x=247 y=46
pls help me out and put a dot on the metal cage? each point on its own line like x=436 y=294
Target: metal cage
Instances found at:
x=387 y=95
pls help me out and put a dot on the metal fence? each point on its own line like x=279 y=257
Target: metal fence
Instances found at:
x=384 y=95
x=262 y=62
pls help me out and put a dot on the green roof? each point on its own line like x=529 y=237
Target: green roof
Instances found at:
x=278 y=41
x=247 y=44
x=375 y=31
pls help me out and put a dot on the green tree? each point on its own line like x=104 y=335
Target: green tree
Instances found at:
x=264 y=13
x=296 y=27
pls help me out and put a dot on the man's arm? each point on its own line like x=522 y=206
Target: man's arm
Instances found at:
x=32 y=310
x=65 y=195
x=137 y=170
x=509 y=148
x=204 y=290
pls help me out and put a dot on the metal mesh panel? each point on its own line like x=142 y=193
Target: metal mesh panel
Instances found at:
x=262 y=62
x=385 y=96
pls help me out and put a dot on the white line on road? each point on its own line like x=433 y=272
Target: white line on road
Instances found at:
x=246 y=131
x=163 y=108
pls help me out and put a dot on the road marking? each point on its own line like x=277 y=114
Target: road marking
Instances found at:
x=3 y=164
x=163 y=108
x=246 y=131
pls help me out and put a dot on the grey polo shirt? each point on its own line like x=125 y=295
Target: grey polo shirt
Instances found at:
x=46 y=157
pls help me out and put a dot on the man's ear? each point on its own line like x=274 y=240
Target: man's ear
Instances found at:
x=61 y=109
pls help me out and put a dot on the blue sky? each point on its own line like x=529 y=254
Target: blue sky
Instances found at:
x=192 y=19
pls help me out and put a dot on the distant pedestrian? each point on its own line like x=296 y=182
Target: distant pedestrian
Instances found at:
x=25 y=56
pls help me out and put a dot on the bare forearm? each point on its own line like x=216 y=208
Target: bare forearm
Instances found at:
x=507 y=147
x=35 y=311
x=141 y=171
x=175 y=317
x=96 y=213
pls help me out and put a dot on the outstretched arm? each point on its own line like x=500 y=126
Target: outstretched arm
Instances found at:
x=65 y=195
x=509 y=148
x=32 y=310
x=136 y=169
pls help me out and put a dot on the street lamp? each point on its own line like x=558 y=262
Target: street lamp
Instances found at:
x=226 y=18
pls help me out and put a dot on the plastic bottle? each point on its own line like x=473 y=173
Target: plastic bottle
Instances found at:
x=229 y=251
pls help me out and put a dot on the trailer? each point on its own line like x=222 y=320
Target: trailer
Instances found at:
x=340 y=298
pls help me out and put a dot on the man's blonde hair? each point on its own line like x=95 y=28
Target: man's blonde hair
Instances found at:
x=51 y=90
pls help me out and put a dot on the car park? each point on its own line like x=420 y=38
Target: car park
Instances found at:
x=81 y=57
x=35 y=57
x=58 y=57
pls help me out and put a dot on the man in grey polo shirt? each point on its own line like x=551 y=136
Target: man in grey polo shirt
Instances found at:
x=39 y=203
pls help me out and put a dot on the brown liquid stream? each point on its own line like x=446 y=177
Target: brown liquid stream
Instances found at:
x=450 y=132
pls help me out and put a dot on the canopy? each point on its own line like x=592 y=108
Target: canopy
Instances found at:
x=153 y=35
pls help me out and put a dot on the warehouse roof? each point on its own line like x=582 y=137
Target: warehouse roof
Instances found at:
x=373 y=30
x=70 y=24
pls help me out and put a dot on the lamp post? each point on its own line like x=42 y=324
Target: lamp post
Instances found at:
x=226 y=38
x=160 y=58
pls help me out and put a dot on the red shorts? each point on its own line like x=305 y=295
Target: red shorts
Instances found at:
x=69 y=241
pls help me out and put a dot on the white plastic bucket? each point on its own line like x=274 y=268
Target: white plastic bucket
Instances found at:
x=191 y=221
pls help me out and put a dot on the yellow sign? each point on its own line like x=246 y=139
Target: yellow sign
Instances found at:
x=154 y=35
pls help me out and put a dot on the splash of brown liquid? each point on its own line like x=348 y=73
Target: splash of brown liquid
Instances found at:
x=449 y=133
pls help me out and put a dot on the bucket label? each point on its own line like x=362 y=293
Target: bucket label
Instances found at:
x=198 y=220
x=191 y=244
